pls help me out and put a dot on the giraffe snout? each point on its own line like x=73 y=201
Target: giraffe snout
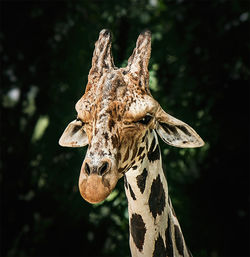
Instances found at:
x=100 y=169
x=97 y=179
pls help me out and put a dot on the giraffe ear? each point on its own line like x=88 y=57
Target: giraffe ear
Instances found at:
x=74 y=135
x=175 y=132
x=138 y=61
x=102 y=56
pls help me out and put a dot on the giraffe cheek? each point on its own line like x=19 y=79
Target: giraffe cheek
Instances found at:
x=95 y=189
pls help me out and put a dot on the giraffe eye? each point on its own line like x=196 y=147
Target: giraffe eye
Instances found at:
x=78 y=119
x=145 y=120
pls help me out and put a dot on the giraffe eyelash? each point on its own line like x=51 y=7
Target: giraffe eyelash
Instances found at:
x=78 y=119
x=145 y=120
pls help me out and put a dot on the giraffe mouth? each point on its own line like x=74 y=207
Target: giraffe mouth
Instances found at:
x=96 y=188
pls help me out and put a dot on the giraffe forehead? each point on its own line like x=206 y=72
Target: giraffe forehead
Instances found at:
x=124 y=106
x=116 y=94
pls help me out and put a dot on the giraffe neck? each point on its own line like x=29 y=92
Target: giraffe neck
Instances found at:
x=154 y=228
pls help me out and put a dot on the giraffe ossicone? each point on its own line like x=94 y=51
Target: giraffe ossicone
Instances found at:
x=119 y=120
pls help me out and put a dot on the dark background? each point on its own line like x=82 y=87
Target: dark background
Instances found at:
x=199 y=73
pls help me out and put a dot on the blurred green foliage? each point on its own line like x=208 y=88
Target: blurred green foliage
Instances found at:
x=199 y=72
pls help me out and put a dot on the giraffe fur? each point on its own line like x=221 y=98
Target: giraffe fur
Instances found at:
x=118 y=118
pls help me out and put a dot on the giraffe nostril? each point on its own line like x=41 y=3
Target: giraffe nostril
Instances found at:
x=87 y=168
x=103 y=169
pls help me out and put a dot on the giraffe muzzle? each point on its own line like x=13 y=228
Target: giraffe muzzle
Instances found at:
x=97 y=181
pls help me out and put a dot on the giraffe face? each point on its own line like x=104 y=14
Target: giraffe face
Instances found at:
x=113 y=117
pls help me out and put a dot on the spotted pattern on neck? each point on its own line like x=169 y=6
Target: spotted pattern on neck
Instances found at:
x=149 y=200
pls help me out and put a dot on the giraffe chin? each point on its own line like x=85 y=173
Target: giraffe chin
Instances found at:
x=95 y=188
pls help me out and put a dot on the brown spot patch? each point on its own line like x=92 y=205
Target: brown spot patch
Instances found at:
x=154 y=155
x=160 y=250
x=157 y=197
x=111 y=124
x=120 y=170
x=178 y=240
x=141 y=180
x=140 y=151
x=118 y=156
x=114 y=140
x=138 y=230
x=106 y=136
x=168 y=238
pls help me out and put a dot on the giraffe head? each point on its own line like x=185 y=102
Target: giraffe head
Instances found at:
x=114 y=116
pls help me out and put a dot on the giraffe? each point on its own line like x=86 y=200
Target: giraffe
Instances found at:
x=118 y=118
